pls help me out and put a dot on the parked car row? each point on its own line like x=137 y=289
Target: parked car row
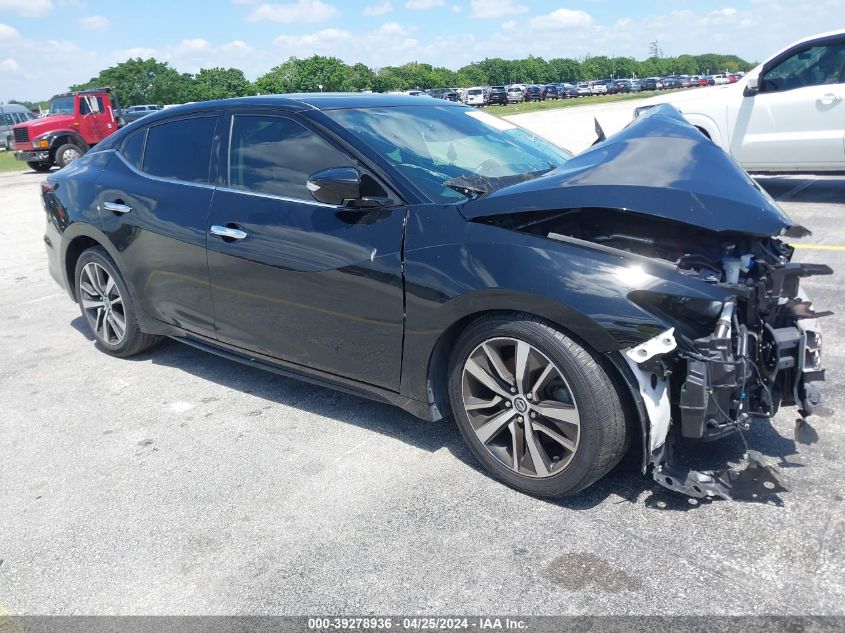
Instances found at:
x=517 y=93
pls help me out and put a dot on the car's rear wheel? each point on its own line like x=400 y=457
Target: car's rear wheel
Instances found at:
x=107 y=307
x=42 y=167
x=535 y=407
x=66 y=154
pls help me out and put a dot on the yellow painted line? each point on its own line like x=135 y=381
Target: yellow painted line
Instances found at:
x=819 y=247
x=8 y=624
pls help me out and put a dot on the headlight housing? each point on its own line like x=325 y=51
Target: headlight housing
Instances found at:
x=694 y=317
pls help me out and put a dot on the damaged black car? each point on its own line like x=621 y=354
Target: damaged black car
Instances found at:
x=560 y=309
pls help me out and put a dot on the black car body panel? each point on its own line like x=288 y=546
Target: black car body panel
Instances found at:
x=370 y=300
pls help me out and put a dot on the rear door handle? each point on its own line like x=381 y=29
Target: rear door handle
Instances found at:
x=829 y=98
x=225 y=231
x=117 y=207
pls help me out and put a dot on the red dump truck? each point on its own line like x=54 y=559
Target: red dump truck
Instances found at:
x=76 y=122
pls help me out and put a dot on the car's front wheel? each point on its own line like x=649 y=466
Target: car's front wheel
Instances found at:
x=535 y=407
x=107 y=307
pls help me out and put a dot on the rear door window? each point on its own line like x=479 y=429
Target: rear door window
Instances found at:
x=180 y=150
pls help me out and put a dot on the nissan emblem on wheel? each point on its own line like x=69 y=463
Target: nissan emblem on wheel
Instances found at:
x=561 y=310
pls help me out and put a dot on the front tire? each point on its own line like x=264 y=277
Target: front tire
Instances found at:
x=535 y=407
x=107 y=307
x=66 y=154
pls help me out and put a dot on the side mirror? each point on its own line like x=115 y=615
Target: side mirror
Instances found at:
x=341 y=186
x=335 y=185
x=752 y=86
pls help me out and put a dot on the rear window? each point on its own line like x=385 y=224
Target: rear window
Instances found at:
x=181 y=149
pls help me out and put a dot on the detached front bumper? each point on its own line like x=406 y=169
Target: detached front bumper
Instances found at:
x=33 y=156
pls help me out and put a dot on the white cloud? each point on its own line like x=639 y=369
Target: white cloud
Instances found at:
x=237 y=47
x=299 y=11
x=26 y=8
x=8 y=34
x=378 y=8
x=561 y=20
x=191 y=46
x=94 y=23
x=456 y=8
x=9 y=66
x=395 y=39
x=488 y=9
x=419 y=5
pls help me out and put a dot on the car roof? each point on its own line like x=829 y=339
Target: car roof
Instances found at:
x=314 y=101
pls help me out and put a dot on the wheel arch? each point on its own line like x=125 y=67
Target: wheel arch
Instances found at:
x=78 y=237
x=61 y=137
x=706 y=126
x=626 y=386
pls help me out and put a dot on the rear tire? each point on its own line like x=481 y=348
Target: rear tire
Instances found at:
x=41 y=167
x=552 y=432
x=107 y=307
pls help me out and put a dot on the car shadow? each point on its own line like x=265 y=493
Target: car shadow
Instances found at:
x=625 y=481
x=375 y=416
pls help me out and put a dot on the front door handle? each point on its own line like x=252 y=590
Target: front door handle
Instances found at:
x=830 y=98
x=225 y=231
x=117 y=207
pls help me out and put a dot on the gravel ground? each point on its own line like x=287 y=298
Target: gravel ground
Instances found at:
x=181 y=483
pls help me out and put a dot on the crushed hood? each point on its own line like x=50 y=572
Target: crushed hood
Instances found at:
x=658 y=165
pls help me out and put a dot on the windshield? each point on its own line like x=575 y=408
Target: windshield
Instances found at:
x=434 y=145
x=61 y=105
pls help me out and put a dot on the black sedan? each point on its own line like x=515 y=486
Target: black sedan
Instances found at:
x=444 y=260
x=535 y=93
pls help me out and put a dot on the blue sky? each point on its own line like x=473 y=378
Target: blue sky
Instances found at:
x=46 y=45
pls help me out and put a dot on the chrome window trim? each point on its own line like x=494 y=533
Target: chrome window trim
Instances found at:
x=159 y=178
x=258 y=194
x=225 y=189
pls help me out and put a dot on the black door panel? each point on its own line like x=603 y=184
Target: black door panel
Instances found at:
x=310 y=284
x=162 y=243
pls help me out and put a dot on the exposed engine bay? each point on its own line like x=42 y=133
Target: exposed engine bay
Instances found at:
x=724 y=363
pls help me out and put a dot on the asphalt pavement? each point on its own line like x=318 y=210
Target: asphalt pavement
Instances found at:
x=181 y=483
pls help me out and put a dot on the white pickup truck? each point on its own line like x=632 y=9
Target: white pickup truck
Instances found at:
x=786 y=115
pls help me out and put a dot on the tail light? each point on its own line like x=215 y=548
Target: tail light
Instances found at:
x=48 y=187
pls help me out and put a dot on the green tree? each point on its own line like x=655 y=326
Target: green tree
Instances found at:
x=143 y=81
x=306 y=75
x=564 y=69
x=386 y=80
x=220 y=83
x=361 y=77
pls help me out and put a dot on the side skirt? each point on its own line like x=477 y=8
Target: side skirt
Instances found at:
x=323 y=379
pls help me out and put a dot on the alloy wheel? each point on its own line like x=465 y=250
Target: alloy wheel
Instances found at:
x=520 y=407
x=102 y=304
